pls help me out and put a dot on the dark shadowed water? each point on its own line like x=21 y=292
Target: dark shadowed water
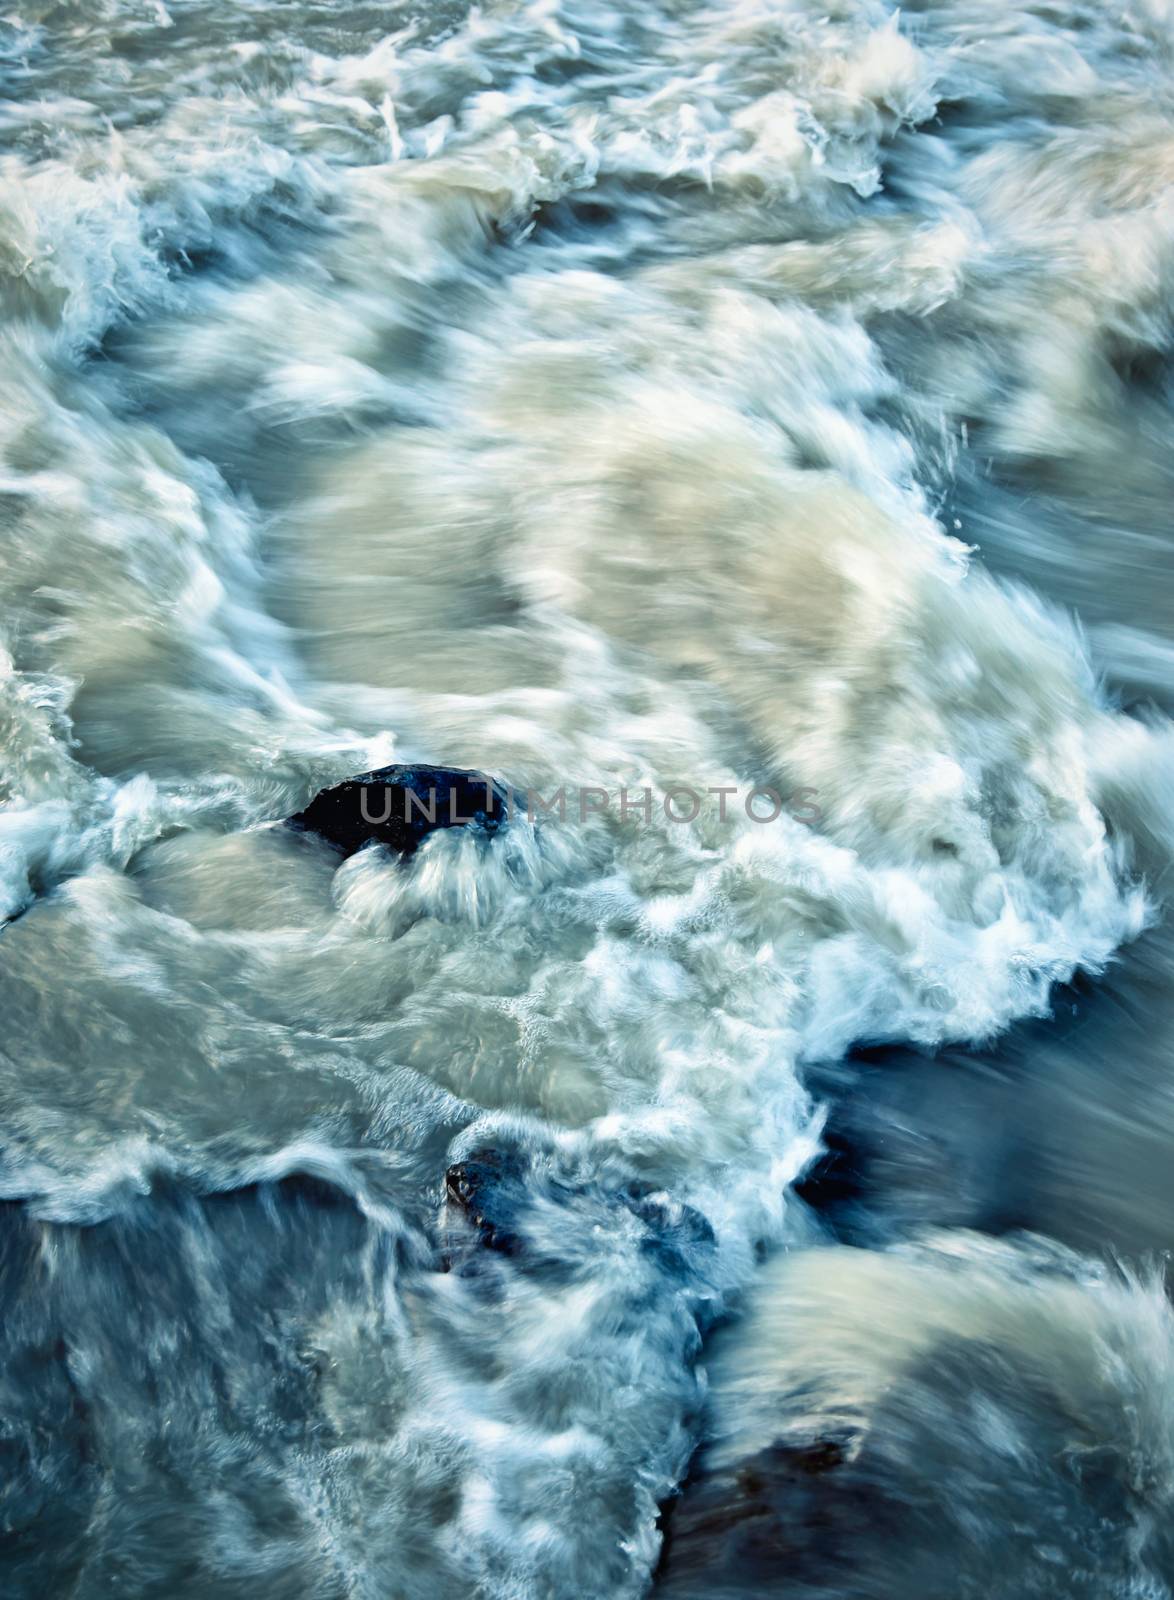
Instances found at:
x=652 y=396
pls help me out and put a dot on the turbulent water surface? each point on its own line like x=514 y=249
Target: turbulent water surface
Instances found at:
x=604 y=394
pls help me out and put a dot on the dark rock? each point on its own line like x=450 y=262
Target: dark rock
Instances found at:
x=473 y=1186
x=787 y=1519
x=400 y=806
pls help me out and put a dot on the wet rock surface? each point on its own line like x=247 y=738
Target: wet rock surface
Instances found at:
x=399 y=806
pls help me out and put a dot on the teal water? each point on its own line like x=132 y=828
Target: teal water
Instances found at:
x=631 y=396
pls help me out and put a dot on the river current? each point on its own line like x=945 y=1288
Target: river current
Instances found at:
x=730 y=401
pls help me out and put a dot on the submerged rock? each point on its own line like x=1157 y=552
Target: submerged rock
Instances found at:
x=504 y=1200
x=400 y=806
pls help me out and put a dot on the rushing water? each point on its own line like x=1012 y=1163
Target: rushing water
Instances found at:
x=657 y=394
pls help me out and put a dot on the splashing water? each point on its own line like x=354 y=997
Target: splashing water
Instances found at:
x=730 y=397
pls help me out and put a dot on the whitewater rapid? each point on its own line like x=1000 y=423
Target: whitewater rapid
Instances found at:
x=610 y=395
